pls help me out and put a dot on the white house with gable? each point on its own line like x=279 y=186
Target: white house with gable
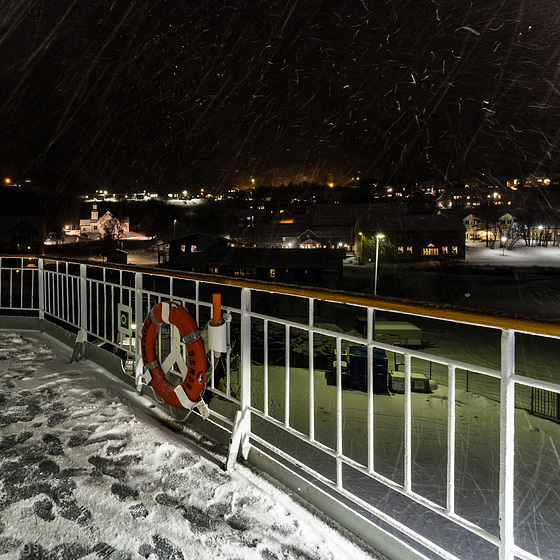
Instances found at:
x=98 y=226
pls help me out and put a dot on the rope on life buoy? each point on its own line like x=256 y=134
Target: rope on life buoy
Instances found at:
x=188 y=393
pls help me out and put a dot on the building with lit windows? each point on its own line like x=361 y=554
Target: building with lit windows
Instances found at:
x=22 y=234
x=319 y=267
x=410 y=237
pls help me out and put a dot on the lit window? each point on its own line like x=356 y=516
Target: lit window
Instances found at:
x=400 y=250
x=409 y=250
x=444 y=250
x=430 y=251
x=454 y=250
x=273 y=273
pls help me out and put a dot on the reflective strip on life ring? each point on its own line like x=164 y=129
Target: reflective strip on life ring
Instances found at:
x=188 y=392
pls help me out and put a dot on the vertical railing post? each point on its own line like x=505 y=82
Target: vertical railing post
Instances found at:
x=507 y=445
x=287 y=377
x=311 y=411
x=451 y=439
x=83 y=298
x=242 y=426
x=41 y=287
x=339 y=434
x=370 y=412
x=245 y=348
x=265 y=367
x=138 y=321
x=407 y=423
x=81 y=338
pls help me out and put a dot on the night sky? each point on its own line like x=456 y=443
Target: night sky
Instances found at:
x=179 y=95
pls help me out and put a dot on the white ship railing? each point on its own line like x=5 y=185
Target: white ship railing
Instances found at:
x=280 y=414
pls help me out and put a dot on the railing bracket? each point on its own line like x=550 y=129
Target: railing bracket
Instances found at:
x=239 y=439
x=79 y=346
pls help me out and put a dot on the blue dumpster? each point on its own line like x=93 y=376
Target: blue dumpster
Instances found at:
x=359 y=372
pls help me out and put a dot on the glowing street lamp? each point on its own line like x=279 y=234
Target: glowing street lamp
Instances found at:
x=504 y=240
x=378 y=238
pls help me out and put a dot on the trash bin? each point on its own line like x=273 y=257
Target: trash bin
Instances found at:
x=359 y=372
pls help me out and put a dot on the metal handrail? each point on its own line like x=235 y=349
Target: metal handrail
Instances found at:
x=543 y=327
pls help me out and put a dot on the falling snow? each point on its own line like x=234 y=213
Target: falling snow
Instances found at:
x=211 y=94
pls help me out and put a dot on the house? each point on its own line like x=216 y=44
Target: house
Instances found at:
x=309 y=240
x=278 y=235
x=410 y=237
x=506 y=221
x=193 y=243
x=116 y=256
x=320 y=267
x=472 y=227
x=101 y=226
x=22 y=234
x=326 y=226
x=488 y=224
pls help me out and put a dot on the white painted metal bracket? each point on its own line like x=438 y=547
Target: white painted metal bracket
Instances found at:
x=79 y=346
x=239 y=439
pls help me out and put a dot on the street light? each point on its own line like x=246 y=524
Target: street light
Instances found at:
x=378 y=237
x=361 y=254
x=504 y=240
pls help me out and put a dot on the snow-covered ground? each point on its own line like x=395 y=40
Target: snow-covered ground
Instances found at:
x=478 y=254
x=89 y=470
x=477 y=460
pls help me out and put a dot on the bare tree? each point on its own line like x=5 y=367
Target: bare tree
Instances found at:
x=113 y=230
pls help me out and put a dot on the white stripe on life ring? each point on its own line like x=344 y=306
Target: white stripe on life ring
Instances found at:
x=183 y=399
x=165 y=311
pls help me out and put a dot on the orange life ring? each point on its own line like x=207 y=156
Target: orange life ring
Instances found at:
x=187 y=394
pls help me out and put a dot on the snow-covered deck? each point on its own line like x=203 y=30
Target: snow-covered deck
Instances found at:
x=90 y=469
